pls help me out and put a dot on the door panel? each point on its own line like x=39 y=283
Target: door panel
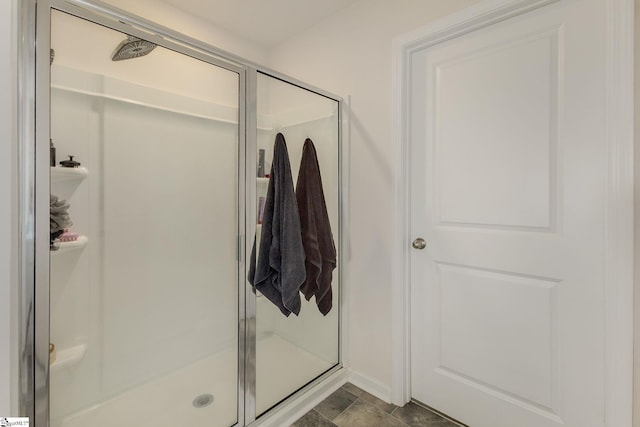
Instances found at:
x=520 y=136
x=489 y=351
x=508 y=191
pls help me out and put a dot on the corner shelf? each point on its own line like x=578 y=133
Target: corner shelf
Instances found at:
x=69 y=357
x=60 y=174
x=76 y=245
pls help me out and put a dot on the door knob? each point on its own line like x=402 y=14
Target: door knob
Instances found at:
x=419 y=243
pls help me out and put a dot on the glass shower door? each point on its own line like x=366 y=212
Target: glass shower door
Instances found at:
x=144 y=269
x=293 y=349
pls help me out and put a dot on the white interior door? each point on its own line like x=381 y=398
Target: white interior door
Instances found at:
x=508 y=191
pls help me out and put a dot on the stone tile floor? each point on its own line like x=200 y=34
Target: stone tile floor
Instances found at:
x=351 y=406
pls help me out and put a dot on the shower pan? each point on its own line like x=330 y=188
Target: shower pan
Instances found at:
x=149 y=317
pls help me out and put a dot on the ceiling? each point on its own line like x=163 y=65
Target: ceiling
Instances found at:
x=265 y=22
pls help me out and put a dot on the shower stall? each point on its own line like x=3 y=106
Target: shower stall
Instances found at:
x=143 y=312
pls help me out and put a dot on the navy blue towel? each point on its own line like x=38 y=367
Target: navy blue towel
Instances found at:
x=280 y=271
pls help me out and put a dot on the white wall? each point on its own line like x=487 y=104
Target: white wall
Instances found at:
x=350 y=54
x=7 y=84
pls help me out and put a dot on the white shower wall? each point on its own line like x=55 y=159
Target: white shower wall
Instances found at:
x=170 y=233
x=156 y=287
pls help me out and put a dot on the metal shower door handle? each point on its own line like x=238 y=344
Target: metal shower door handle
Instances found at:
x=419 y=243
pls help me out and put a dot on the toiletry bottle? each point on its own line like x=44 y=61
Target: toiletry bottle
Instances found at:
x=52 y=153
x=261 y=163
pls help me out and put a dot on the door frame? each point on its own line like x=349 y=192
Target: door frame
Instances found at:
x=618 y=207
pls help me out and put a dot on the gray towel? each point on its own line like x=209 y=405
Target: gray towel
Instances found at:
x=280 y=270
x=317 y=238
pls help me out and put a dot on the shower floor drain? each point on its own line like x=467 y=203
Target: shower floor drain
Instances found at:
x=203 y=401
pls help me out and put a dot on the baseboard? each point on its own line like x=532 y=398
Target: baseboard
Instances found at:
x=370 y=385
x=299 y=405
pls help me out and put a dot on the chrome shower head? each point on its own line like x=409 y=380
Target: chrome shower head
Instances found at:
x=132 y=47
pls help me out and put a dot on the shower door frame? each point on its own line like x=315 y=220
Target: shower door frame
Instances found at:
x=33 y=119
